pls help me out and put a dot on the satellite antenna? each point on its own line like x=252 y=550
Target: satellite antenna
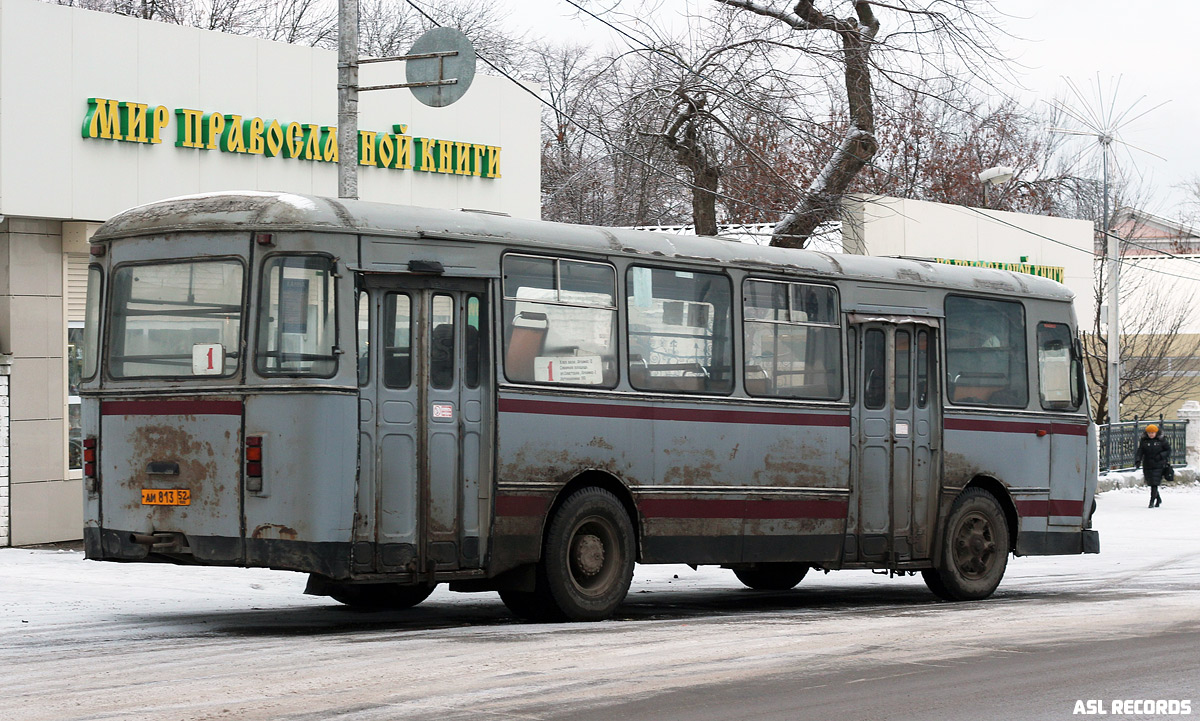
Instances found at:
x=1103 y=124
x=439 y=67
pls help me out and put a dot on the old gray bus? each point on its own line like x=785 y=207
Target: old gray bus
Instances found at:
x=388 y=398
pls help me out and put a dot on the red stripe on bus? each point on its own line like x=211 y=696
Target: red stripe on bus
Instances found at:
x=700 y=508
x=1069 y=429
x=598 y=410
x=993 y=426
x=171 y=408
x=1052 y=507
x=521 y=505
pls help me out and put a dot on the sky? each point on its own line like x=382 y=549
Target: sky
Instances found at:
x=1143 y=52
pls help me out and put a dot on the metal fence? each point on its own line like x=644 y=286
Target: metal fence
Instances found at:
x=1119 y=442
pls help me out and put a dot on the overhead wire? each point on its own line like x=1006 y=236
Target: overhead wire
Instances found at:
x=687 y=184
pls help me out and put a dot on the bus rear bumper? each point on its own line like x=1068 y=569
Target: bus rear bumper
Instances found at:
x=1057 y=543
x=330 y=559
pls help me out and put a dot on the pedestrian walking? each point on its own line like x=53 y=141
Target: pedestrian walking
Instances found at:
x=1153 y=456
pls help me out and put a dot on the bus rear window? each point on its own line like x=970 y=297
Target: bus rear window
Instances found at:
x=167 y=314
x=296 y=331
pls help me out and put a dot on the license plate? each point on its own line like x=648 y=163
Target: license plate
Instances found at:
x=166 y=497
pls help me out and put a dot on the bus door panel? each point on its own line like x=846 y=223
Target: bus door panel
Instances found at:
x=897 y=440
x=873 y=486
x=431 y=426
x=455 y=386
x=926 y=442
x=396 y=431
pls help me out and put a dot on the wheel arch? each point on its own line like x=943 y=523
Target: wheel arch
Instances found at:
x=999 y=491
x=595 y=478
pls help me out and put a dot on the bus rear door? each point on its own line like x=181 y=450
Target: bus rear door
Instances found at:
x=897 y=433
x=425 y=425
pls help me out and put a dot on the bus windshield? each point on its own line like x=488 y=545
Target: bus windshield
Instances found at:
x=163 y=312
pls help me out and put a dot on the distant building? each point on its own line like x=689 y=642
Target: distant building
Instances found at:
x=102 y=112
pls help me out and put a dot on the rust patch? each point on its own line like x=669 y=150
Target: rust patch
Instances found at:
x=599 y=442
x=200 y=467
x=705 y=473
x=960 y=470
x=550 y=463
x=794 y=462
x=275 y=531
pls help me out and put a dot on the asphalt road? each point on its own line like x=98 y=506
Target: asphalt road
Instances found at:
x=86 y=641
x=1002 y=683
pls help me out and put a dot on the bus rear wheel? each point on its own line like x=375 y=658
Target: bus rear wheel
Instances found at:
x=379 y=596
x=974 y=551
x=771 y=576
x=587 y=564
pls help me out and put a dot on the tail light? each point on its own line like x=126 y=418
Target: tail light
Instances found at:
x=89 y=463
x=254 y=463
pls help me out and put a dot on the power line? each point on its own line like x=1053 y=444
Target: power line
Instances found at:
x=584 y=128
x=717 y=194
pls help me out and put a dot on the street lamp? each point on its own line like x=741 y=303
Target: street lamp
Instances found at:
x=994 y=176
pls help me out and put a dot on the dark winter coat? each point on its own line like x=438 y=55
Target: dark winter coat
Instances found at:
x=1153 y=455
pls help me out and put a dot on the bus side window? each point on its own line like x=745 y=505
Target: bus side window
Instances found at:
x=874 y=369
x=560 y=321
x=923 y=356
x=792 y=340
x=1058 y=368
x=680 y=331
x=397 y=341
x=986 y=361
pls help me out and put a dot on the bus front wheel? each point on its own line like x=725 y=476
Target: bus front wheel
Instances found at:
x=974 y=550
x=589 y=554
x=771 y=576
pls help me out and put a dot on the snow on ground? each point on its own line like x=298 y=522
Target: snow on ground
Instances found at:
x=47 y=587
x=90 y=641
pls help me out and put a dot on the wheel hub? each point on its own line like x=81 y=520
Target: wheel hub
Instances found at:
x=588 y=553
x=975 y=547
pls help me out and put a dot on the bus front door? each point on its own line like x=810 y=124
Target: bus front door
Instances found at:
x=424 y=426
x=898 y=439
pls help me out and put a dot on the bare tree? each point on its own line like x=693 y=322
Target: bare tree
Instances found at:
x=932 y=39
x=1159 y=345
x=1159 y=348
x=389 y=28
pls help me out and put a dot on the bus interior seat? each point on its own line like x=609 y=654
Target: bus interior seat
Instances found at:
x=757 y=382
x=525 y=344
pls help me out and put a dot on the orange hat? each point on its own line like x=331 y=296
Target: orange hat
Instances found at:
x=1152 y=428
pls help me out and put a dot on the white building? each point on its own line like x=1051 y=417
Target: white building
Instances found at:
x=101 y=112
x=1059 y=248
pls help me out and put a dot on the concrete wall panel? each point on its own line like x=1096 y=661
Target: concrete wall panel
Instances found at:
x=46 y=512
x=38 y=450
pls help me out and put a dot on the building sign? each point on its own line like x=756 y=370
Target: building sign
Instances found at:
x=1053 y=272
x=142 y=123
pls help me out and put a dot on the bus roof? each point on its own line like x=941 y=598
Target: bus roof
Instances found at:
x=280 y=212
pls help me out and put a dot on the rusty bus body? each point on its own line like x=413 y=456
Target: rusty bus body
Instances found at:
x=388 y=398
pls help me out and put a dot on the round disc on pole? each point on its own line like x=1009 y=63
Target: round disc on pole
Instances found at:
x=460 y=67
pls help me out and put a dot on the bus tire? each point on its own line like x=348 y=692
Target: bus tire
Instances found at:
x=771 y=576
x=534 y=606
x=379 y=596
x=587 y=565
x=974 y=549
x=933 y=579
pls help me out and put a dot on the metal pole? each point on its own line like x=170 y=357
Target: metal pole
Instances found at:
x=1114 y=325
x=348 y=99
